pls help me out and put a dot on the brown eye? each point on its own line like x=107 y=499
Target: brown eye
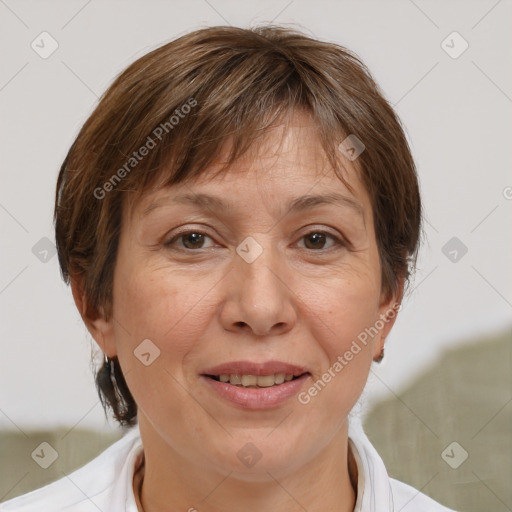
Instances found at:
x=193 y=240
x=190 y=240
x=316 y=240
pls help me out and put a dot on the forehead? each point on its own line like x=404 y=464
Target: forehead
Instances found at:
x=285 y=162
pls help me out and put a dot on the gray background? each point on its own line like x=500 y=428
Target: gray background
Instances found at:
x=457 y=114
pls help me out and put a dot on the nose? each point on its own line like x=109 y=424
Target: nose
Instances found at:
x=258 y=299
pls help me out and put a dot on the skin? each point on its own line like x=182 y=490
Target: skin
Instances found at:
x=301 y=301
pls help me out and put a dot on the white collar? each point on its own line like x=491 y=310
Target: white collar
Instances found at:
x=106 y=483
x=372 y=478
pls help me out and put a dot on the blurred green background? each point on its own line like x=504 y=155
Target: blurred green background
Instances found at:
x=466 y=398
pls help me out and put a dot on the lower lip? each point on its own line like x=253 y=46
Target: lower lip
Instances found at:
x=257 y=398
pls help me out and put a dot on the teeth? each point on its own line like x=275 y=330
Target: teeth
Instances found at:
x=262 y=381
x=235 y=379
x=249 y=380
x=279 y=378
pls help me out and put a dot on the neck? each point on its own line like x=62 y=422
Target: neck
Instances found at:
x=166 y=482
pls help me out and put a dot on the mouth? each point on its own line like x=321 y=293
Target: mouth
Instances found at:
x=249 y=373
x=256 y=385
x=254 y=381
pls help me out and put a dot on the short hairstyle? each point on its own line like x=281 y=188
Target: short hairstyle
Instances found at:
x=165 y=119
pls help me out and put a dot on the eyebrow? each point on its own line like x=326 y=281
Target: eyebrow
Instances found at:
x=298 y=204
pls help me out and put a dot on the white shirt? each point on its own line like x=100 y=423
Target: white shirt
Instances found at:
x=106 y=483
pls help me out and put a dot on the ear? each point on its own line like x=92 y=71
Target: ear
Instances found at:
x=101 y=330
x=388 y=311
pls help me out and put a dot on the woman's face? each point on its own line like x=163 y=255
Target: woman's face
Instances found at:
x=255 y=275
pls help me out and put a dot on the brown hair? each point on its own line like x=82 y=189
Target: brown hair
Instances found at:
x=166 y=117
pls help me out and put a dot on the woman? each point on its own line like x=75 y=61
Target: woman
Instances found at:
x=237 y=219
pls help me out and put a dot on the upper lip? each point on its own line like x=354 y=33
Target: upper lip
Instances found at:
x=253 y=368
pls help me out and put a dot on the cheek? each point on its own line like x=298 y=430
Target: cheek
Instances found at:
x=173 y=313
x=344 y=306
x=342 y=313
x=170 y=311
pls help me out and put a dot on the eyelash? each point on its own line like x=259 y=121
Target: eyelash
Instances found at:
x=337 y=241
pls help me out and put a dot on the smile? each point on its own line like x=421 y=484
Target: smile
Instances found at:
x=255 y=385
x=261 y=381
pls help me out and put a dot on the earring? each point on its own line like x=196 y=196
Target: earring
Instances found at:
x=109 y=367
x=380 y=357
